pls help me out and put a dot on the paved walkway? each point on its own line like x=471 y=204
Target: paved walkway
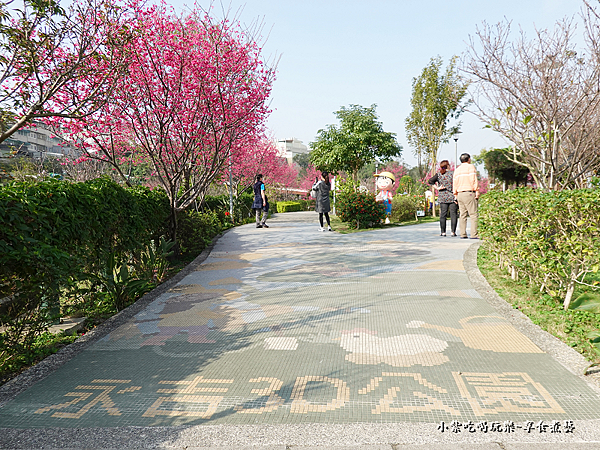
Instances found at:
x=291 y=337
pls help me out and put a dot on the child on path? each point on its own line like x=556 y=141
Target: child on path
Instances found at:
x=260 y=202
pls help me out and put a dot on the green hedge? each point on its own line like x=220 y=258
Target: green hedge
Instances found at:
x=56 y=234
x=55 y=229
x=195 y=230
x=404 y=207
x=309 y=205
x=553 y=238
x=283 y=207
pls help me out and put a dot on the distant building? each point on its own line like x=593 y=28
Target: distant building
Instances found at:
x=37 y=142
x=288 y=148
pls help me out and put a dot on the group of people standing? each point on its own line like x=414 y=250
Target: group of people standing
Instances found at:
x=458 y=191
x=320 y=190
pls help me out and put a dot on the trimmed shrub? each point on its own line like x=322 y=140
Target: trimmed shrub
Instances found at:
x=283 y=207
x=56 y=229
x=57 y=234
x=553 y=238
x=195 y=230
x=404 y=208
x=359 y=209
x=309 y=205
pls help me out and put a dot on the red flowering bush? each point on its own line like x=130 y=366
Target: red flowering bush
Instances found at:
x=359 y=209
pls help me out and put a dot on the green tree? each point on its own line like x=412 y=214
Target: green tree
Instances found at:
x=303 y=160
x=501 y=168
x=436 y=99
x=415 y=174
x=358 y=140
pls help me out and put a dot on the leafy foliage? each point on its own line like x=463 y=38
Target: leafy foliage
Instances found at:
x=283 y=207
x=573 y=327
x=553 y=238
x=57 y=236
x=589 y=302
x=358 y=140
x=152 y=263
x=42 y=345
x=303 y=160
x=357 y=208
x=407 y=185
x=219 y=204
x=436 y=99
x=404 y=207
x=196 y=230
x=500 y=168
x=117 y=283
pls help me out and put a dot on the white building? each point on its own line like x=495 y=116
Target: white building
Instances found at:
x=36 y=141
x=288 y=148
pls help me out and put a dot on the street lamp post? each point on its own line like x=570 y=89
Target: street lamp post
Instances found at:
x=455 y=150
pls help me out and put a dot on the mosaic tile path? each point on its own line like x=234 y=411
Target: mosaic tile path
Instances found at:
x=289 y=325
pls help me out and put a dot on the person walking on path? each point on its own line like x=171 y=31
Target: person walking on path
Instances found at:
x=322 y=206
x=260 y=202
x=442 y=181
x=466 y=190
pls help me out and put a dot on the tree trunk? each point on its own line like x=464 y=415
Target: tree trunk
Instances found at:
x=173 y=229
x=571 y=287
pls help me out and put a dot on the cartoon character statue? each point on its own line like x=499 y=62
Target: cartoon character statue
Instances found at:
x=429 y=200
x=385 y=181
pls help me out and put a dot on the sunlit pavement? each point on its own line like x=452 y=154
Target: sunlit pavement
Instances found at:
x=288 y=337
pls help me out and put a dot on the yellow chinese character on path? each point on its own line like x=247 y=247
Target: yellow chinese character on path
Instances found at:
x=106 y=386
x=186 y=394
x=492 y=393
x=422 y=402
x=273 y=402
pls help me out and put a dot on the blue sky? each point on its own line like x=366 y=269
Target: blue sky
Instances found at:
x=336 y=53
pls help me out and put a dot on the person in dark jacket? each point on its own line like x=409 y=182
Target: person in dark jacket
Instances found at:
x=442 y=181
x=260 y=203
x=321 y=188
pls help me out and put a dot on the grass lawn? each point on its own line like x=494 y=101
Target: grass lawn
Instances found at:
x=547 y=312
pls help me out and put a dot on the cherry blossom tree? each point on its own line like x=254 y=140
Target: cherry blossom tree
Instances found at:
x=57 y=62
x=261 y=156
x=309 y=178
x=194 y=94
